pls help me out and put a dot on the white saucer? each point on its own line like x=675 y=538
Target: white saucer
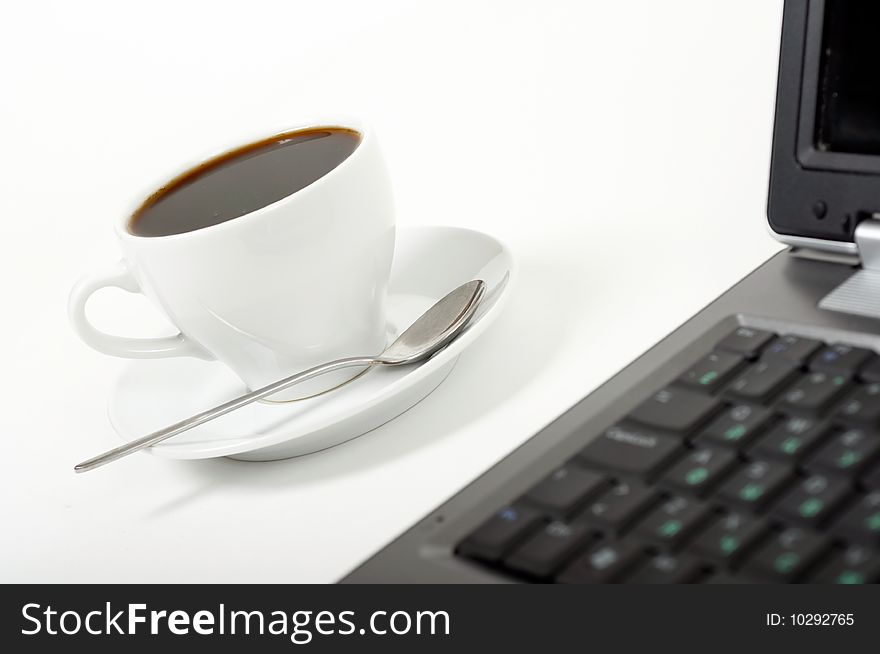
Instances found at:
x=428 y=263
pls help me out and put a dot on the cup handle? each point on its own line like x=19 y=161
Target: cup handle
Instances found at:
x=120 y=276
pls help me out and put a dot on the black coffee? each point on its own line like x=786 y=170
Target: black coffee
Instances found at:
x=243 y=180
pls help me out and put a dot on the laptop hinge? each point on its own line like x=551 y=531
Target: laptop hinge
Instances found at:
x=867 y=237
x=859 y=294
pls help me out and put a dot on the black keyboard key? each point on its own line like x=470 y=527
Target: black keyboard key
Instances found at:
x=615 y=510
x=870 y=372
x=500 y=533
x=814 y=392
x=700 y=470
x=854 y=565
x=813 y=500
x=729 y=537
x=861 y=522
x=544 y=552
x=840 y=359
x=786 y=555
x=713 y=370
x=796 y=349
x=871 y=479
x=736 y=426
x=863 y=406
x=763 y=379
x=848 y=452
x=746 y=341
x=672 y=522
x=667 y=569
x=631 y=451
x=674 y=409
x=605 y=563
x=566 y=488
x=755 y=484
x=789 y=440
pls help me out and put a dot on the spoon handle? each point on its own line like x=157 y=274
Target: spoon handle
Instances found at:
x=233 y=404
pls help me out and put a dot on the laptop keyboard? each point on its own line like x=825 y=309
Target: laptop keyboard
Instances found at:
x=761 y=463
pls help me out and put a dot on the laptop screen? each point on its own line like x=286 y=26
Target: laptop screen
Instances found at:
x=825 y=171
x=848 y=98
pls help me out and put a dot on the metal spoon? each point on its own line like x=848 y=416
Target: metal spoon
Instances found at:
x=433 y=330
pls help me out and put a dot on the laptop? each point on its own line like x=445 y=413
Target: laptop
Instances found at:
x=745 y=446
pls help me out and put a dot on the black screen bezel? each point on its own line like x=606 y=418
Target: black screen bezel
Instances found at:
x=813 y=193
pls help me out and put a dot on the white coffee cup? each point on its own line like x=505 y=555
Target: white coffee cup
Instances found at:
x=293 y=284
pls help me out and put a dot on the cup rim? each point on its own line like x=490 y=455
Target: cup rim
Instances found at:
x=334 y=121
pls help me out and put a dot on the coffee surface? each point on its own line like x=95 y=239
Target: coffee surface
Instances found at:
x=243 y=180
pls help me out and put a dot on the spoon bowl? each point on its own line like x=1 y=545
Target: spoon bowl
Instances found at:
x=437 y=327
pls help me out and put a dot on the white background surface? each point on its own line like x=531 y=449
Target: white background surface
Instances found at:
x=621 y=149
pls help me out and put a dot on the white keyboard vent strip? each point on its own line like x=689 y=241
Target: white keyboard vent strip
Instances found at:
x=859 y=295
